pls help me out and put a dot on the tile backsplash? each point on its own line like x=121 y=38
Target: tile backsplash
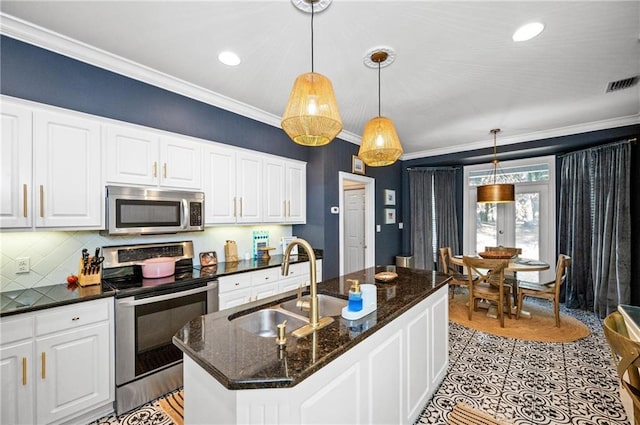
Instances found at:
x=55 y=255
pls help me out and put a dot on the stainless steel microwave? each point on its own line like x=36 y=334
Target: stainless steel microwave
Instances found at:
x=136 y=210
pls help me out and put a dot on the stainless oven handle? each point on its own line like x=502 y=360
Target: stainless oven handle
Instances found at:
x=171 y=296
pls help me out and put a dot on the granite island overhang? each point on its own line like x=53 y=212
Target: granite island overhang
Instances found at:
x=411 y=323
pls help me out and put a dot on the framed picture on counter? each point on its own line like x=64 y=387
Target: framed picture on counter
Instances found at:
x=389 y=215
x=357 y=165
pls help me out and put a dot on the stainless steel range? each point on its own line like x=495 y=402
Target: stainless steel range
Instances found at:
x=148 y=312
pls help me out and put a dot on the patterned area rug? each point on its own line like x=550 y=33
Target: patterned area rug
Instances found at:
x=540 y=326
x=463 y=414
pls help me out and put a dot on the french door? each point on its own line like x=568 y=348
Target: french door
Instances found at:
x=528 y=223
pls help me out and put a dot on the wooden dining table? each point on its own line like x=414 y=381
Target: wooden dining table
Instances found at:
x=516 y=265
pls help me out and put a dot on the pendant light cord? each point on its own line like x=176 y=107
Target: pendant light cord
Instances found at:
x=379 y=89
x=312 y=34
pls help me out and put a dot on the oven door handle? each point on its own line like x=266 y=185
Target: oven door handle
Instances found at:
x=171 y=296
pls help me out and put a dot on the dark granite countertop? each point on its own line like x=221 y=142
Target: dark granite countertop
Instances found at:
x=242 y=266
x=241 y=360
x=43 y=297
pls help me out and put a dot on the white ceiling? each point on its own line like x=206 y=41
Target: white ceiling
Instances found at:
x=457 y=73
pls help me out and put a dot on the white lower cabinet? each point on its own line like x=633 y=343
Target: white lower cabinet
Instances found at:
x=241 y=288
x=57 y=364
x=16 y=364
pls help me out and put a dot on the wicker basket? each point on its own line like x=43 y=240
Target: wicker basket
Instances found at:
x=496 y=255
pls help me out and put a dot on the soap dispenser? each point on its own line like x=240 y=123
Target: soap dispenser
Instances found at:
x=355 y=296
x=362 y=300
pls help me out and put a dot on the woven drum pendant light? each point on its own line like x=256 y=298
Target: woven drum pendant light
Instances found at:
x=380 y=144
x=311 y=117
x=496 y=192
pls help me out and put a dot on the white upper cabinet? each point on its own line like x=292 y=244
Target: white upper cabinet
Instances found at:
x=149 y=158
x=132 y=156
x=15 y=167
x=248 y=187
x=67 y=170
x=285 y=199
x=296 y=192
x=180 y=159
x=219 y=172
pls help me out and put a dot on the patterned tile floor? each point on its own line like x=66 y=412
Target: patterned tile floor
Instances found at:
x=525 y=382
x=517 y=381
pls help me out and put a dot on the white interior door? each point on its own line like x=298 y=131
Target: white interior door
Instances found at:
x=354 y=245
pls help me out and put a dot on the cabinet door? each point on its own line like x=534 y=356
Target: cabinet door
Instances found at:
x=219 y=185
x=234 y=298
x=132 y=156
x=16 y=206
x=263 y=291
x=296 y=193
x=274 y=198
x=248 y=187
x=180 y=159
x=17 y=380
x=73 y=372
x=67 y=171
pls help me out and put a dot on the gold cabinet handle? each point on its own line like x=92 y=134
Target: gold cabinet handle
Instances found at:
x=44 y=365
x=241 y=206
x=234 y=206
x=24 y=371
x=75 y=318
x=285 y=208
x=41 y=200
x=164 y=170
x=155 y=169
x=288 y=208
x=24 y=200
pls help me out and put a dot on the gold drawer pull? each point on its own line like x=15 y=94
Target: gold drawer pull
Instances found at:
x=24 y=371
x=75 y=318
x=155 y=169
x=164 y=170
x=44 y=365
x=41 y=201
x=24 y=200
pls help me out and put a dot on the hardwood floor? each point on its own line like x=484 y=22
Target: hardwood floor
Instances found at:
x=517 y=381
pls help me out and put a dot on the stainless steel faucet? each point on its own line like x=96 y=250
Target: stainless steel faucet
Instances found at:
x=315 y=322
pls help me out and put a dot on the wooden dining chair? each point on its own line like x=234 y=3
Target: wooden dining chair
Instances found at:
x=489 y=284
x=626 y=357
x=510 y=278
x=457 y=278
x=549 y=290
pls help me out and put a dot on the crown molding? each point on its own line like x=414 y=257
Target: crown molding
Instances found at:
x=529 y=137
x=33 y=34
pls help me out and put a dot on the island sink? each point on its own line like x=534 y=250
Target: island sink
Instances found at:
x=327 y=306
x=263 y=322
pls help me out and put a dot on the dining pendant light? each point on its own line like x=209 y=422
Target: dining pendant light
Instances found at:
x=380 y=144
x=311 y=117
x=495 y=192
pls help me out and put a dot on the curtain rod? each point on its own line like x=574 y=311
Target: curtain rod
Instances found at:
x=433 y=168
x=631 y=141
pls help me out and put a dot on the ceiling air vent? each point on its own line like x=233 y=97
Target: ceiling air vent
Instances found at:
x=622 y=84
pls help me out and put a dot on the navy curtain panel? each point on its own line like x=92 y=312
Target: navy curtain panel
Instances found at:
x=433 y=215
x=595 y=227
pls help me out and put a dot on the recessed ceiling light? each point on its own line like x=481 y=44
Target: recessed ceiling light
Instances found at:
x=528 y=31
x=229 y=58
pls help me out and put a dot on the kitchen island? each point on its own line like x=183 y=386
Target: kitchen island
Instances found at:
x=382 y=368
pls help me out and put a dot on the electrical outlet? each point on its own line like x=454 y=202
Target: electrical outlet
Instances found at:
x=23 y=265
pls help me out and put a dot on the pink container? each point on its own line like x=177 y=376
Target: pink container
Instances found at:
x=158 y=267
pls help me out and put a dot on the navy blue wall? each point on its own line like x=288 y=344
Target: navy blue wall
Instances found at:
x=39 y=75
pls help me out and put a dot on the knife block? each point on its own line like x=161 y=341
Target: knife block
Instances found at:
x=93 y=275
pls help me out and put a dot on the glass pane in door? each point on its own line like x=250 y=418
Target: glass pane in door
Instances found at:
x=528 y=229
x=486 y=226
